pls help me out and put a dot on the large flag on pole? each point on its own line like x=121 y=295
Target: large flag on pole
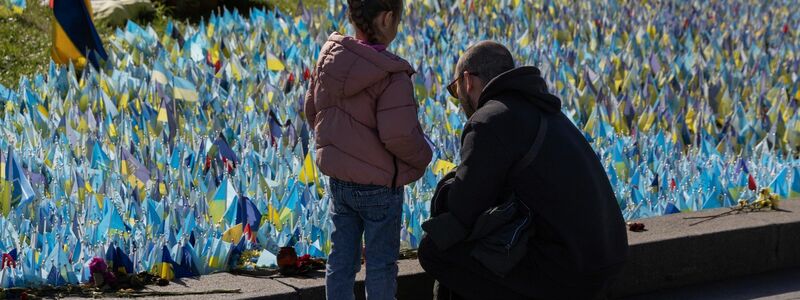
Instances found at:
x=75 y=38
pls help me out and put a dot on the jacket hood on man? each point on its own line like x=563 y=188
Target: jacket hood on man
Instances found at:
x=526 y=81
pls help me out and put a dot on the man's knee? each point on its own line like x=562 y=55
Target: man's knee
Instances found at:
x=428 y=255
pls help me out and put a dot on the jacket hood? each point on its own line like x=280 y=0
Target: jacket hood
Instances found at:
x=526 y=81
x=358 y=66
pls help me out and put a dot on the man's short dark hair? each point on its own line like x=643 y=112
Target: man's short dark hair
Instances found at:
x=487 y=59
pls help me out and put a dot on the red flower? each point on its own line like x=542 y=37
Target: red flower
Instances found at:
x=8 y=261
x=303 y=260
x=98 y=266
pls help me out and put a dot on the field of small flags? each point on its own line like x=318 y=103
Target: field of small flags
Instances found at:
x=186 y=149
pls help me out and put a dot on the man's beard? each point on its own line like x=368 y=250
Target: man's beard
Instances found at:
x=466 y=104
x=469 y=110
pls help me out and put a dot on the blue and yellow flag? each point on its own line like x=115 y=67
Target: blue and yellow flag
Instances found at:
x=16 y=184
x=780 y=185
x=184 y=90
x=75 y=38
x=308 y=173
x=795 y=190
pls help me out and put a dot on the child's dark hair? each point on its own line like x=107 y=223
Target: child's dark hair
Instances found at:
x=363 y=12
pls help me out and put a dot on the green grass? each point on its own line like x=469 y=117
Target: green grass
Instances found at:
x=290 y=6
x=159 y=19
x=25 y=40
x=24 y=43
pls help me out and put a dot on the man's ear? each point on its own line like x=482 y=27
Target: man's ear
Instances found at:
x=468 y=82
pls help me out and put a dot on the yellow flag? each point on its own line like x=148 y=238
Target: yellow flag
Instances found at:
x=123 y=101
x=162 y=115
x=274 y=64
x=63 y=50
x=43 y=111
x=112 y=130
x=214 y=51
x=309 y=172
x=164 y=270
x=5 y=197
x=210 y=29
x=286 y=217
x=233 y=235
x=443 y=167
x=274 y=217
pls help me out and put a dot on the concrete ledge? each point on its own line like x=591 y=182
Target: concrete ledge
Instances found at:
x=670 y=254
x=250 y=287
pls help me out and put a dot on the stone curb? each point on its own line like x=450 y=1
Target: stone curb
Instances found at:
x=671 y=253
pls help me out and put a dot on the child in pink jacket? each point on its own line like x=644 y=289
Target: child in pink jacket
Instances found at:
x=369 y=141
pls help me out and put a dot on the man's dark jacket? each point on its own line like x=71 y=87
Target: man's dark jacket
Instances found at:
x=579 y=238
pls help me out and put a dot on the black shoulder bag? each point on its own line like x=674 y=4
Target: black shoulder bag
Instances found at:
x=500 y=233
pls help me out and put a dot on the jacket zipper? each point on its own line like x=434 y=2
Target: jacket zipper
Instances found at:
x=516 y=231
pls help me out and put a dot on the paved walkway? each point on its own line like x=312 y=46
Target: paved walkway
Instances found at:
x=779 y=285
x=774 y=285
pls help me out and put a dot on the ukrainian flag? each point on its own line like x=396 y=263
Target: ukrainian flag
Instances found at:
x=442 y=167
x=75 y=38
x=308 y=174
x=795 y=191
x=165 y=267
x=184 y=90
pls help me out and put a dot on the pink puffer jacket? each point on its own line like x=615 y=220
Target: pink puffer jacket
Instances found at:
x=361 y=106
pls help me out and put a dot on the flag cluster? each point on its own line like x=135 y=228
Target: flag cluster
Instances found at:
x=185 y=149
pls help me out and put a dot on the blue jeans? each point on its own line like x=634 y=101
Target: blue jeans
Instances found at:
x=375 y=213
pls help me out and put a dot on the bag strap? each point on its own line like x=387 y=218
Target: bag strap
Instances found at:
x=529 y=157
